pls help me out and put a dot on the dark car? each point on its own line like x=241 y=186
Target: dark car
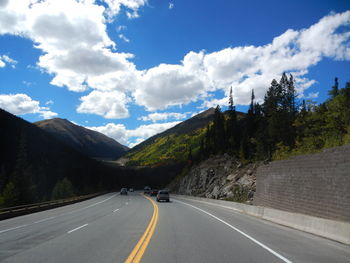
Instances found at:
x=163 y=195
x=123 y=191
x=154 y=192
x=147 y=190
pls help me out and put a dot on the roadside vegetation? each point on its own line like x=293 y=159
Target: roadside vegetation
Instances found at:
x=282 y=126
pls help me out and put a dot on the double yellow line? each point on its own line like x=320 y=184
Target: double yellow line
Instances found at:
x=140 y=248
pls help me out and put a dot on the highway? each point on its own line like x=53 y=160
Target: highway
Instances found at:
x=134 y=228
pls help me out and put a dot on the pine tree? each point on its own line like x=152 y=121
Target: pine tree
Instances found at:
x=231 y=127
x=335 y=89
x=251 y=107
x=231 y=106
x=219 y=131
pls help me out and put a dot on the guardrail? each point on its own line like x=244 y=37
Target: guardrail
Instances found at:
x=14 y=211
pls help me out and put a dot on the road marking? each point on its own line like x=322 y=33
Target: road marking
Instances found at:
x=140 y=248
x=75 y=229
x=208 y=203
x=239 y=231
x=43 y=220
x=13 y=228
x=97 y=202
x=126 y=203
x=116 y=210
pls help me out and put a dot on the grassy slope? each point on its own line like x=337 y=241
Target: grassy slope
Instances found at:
x=167 y=149
x=173 y=145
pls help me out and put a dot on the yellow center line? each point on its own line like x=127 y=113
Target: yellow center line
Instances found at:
x=140 y=248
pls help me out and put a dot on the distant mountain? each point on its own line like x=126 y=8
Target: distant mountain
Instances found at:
x=172 y=145
x=89 y=142
x=33 y=162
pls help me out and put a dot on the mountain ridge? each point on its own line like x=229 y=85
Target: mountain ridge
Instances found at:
x=89 y=142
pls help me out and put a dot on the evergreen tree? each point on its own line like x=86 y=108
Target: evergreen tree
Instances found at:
x=62 y=189
x=231 y=127
x=231 y=106
x=251 y=107
x=219 y=131
x=335 y=89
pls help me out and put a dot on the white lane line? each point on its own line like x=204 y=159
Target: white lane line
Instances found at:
x=12 y=228
x=75 y=229
x=208 y=203
x=116 y=210
x=241 y=232
x=43 y=220
x=98 y=202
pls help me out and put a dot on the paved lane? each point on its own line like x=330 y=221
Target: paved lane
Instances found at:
x=104 y=229
x=189 y=231
x=108 y=229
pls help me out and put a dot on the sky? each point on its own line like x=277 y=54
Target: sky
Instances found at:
x=133 y=68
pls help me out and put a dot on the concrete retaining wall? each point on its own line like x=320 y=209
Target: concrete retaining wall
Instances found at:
x=313 y=184
x=332 y=229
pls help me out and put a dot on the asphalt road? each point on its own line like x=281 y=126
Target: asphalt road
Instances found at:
x=114 y=228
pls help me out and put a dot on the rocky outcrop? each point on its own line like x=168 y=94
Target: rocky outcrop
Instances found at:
x=219 y=177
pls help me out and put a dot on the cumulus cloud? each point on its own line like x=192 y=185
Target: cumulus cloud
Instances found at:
x=111 y=105
x=169 y=85
x=131 y=137
x=20 y=104
x=79 y=54
x=6 y=60
x=157 y=116
x=171 y=5
x=72 y=35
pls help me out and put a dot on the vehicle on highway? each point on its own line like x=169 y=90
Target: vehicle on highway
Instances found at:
x=131 y=190
x=123 y=191
x=147 y=190
x=163 y=195
x=154 y=192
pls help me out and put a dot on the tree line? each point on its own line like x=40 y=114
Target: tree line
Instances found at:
x=281 y=126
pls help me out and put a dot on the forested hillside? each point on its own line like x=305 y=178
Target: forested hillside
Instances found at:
x=281 y=126
x=35 y=166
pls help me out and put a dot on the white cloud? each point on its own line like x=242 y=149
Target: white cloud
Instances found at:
x=6 y=60
x=20 y=104
x=169 y=85
x=131 y=137
x=121 y=28
x=157 y=116
x=171 y=5
x=111 y=105
x=72 y=35
x=79 y=54
x=124 y=38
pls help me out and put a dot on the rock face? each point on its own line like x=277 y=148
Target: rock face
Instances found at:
x=220 y=177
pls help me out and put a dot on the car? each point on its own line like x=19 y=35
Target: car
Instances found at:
x=147 y=190
x=123 y=191
x=154 y=192
x=131 y=190
x=163 y=195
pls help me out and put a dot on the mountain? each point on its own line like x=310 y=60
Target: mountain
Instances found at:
x=91 y=143
x=33 y=162
x=172 y=145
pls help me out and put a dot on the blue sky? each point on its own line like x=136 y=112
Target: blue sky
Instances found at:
x=130 y=69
